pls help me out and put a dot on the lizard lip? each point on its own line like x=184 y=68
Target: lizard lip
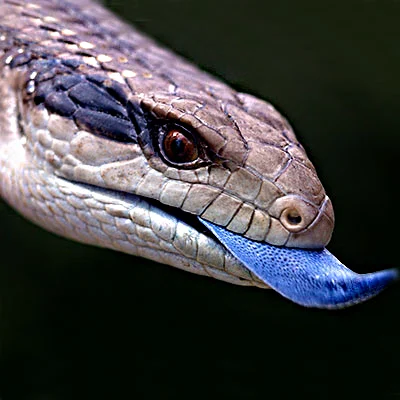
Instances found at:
x=311 y=278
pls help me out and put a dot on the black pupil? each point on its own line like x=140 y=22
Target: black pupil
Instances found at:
x=178 y=147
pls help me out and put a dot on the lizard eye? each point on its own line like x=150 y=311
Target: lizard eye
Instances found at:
x=178 y=146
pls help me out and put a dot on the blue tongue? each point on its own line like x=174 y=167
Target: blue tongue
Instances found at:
x=312 y=278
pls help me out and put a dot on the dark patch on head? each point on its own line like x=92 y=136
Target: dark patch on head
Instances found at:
x=98 y=79
x=72 y=63
x=137 y=116
x=66 y=82
x=95 y=102
x=88 y=95
x=42 y=91
x=60 y=103
x=105 y=125
x=21 y=59
x=116 y=91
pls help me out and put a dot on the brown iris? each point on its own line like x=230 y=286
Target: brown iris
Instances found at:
x=179 y=147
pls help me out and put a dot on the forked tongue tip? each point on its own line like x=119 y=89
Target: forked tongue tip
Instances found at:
x=312 y=278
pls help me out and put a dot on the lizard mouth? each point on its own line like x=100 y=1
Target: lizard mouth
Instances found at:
x=311 y=278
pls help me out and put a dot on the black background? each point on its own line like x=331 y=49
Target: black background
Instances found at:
x=82 y=322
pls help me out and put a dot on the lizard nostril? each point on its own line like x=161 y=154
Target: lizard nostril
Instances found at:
x=294 y=213
x=292 y=219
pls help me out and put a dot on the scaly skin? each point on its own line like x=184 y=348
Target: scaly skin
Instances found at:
x=85 y=103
